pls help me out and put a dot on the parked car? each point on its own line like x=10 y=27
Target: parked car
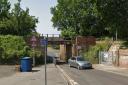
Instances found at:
x=79 y=63
x=56 y=60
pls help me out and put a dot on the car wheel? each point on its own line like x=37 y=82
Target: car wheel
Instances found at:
x=78 y=67
x=69 y=65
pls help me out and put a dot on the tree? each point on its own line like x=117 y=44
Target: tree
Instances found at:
x=114 y=13
x=4 y=9
x=18 y=21
x=4 y=15
x=23 y=22
x=78 y=17
x=11 y=46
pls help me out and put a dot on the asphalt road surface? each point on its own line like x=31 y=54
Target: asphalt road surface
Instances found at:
x=94 y=77
x=52 y=52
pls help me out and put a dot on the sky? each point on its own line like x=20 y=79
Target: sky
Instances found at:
x=40 y=9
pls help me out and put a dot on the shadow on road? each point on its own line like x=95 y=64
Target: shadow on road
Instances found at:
x=83 y=68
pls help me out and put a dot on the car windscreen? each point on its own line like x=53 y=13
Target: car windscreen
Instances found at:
x=80 y=59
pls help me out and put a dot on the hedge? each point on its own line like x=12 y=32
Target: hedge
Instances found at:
x=13 y=48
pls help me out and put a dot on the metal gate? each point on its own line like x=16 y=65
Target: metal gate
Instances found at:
x=106 y=57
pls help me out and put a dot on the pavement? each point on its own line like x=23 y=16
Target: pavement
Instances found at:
x=112 y=69
x=36 y=77
x=6 y=70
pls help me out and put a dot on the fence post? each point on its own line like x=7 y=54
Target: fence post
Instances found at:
x=118 y=58
x=99 y=58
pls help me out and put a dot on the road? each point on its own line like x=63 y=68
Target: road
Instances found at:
x=94 y=77
x=52 y=52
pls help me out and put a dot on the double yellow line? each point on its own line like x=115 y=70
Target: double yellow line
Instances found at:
x=70 y=80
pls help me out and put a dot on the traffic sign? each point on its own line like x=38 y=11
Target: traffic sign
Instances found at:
x=43 y=42
x=33 y=44
x=79 y=47
x=33 y=39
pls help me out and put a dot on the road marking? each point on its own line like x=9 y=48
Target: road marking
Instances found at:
x=64 y=79
x=71 y=81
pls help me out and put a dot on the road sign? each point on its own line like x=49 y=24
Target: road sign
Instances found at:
x=33 y=44
x=33 y=39
x=44 y=42
x=79 y=47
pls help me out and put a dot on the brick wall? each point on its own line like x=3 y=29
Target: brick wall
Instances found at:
x=123 y=58
x=81 y=41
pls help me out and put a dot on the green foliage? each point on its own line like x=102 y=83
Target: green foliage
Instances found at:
x=11 y=49
x=4 y=9
x=11 y=46
x=92 y=53
x=114 y=14
x=57 y=47
x=16 y=21
x=91 y=17
x=23 y=23
x=124 y=45
x=77 y=17
x=26 y=51
x=68 y=34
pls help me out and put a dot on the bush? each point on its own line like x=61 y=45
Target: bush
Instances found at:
x=92 y=53
x=11 y=48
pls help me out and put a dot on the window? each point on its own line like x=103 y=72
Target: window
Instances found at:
x=80 y=59
x=73 y=58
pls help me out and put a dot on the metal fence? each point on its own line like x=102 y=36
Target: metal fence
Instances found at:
x=106 y=57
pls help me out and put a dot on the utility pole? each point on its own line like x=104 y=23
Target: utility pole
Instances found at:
x=33 y=58
x=45 y=43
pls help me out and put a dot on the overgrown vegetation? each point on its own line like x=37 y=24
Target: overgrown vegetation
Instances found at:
x=11 y=48
x=92 y=53
x=124 y=45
